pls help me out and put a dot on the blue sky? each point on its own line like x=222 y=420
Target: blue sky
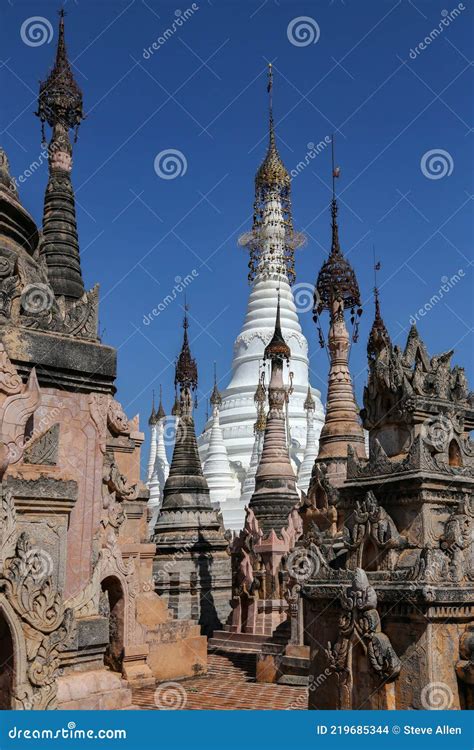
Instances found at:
x=358 y=70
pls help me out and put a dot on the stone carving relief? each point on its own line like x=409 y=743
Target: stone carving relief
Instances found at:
x=27 y=299
x=35 y=611
x=14 y=414
x=10 y=381
x=44 y=448
x=98 y=406
x=360 y=622
x=319 y=506
x=117 y=420
x=369 y=522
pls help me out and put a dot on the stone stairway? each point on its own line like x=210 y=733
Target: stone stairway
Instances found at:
x=228 y=685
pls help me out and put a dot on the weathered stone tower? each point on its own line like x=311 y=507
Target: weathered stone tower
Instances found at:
x=79 y=620
x=394 y=594
x=337 y=291
x=261 y=603
x=191 y=567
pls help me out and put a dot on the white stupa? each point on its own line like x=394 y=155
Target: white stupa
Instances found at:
x=158 y=464
x=221 y=480
x=271 y=244
x=311 y=448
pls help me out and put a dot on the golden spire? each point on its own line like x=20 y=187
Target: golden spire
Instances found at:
x=272 y=172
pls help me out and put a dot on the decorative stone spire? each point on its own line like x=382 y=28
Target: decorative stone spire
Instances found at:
x=275 y=486
x=188 y=529
x=336 y=291
x=161 y=466
x=60 y=105
x=186 y=376
x=216 y=467
x=379 y=337
x=311 y=450
x=152 y=419
x=259 y=429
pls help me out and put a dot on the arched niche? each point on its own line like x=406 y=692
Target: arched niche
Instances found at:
x=454 y=454
x=13 y=657
x=113 y=606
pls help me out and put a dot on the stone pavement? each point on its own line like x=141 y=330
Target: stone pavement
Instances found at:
x=228 y=685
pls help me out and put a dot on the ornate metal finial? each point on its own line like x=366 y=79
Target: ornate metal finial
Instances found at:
x=379 y=338
x=186 y=369
x=260 y=398
x=60 y=98
x=272 y=252
x=336 y=281
x=160 y=414
x=152 y=420
x=272 y=171
x=277 y=348
x=216 y=398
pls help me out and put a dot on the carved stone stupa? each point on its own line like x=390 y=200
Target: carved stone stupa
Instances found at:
x=394 y=590
x=336 y=291
x=192 y=565
x=80 y=623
